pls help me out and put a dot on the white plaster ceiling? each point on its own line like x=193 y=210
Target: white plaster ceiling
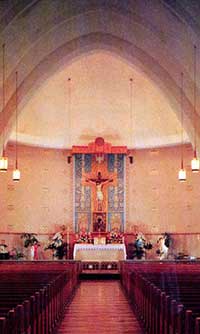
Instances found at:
x=100 y=106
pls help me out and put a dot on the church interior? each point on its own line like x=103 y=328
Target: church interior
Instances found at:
x=99 y=166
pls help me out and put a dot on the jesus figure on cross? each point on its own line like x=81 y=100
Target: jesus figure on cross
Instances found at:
x=99 y=182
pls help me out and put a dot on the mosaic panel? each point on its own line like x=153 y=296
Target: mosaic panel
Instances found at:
x=82 y=194
x=116 y=194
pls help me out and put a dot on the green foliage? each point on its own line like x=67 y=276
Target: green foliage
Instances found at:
x=16 y=254
x=29 y=239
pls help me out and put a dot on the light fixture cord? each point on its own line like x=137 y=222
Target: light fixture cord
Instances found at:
x=16 y=122
x=69 y=109
x=195 y=50
x=131 y=109
x=182 y=78
x=3 y=95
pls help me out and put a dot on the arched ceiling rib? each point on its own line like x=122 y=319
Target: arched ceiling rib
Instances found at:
x=145 y=35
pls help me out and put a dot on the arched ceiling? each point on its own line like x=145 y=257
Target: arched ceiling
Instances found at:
x=100 y=106
x=48 y=40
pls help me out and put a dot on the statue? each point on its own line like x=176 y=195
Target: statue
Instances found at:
x=99 y=182
x=34 y=251
x=163 y=246
x=141 y=245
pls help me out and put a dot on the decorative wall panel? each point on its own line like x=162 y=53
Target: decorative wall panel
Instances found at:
x=99 y=191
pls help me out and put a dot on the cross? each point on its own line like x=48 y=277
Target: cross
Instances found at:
x=99 y=184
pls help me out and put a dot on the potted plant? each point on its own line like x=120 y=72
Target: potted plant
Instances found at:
x=4 y=254
x=16 y=254
x=30 y=241
x=58 y=246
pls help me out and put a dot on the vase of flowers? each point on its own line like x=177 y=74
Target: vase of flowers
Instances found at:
x=83 y=237
x=115 y=237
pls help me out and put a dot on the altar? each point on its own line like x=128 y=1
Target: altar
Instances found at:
x=108 y=252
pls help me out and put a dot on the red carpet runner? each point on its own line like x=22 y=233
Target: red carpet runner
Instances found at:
x=99 y=307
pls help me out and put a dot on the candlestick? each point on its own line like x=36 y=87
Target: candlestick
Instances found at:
x=68 y=235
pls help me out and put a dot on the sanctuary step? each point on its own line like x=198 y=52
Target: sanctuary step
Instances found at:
x=99 y=307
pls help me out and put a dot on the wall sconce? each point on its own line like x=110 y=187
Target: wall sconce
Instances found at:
x=69 y=159
x=131 y=160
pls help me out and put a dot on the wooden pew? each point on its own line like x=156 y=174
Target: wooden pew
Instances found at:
x=33 y=297
x=164 y=301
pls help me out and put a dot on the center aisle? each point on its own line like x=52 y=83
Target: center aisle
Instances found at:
x=99 y=307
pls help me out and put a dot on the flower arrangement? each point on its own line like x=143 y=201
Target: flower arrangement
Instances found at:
x=4 y=254
x=83 y=237
x=3 y=247
x=58 y=245
x=16 y=254
x=115 y=237
x=29 y=239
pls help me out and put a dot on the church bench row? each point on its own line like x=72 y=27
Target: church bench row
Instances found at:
x=19 y=287
x=38 y=300
x=73 y=267
x=43 y=303
x=172 y=311
x=160 y=266
x=127 y=267
x=38 y=265
x=39 y=311
x=157 y=308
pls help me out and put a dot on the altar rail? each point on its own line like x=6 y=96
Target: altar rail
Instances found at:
x=165 y=295
x=33 y=295
x=187 y=243
x=96 y=267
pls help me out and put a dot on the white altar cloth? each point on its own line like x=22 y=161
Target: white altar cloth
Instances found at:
x=90 y=252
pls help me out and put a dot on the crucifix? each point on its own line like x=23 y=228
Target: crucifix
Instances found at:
x=99 y=184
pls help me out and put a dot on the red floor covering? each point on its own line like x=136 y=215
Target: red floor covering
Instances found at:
x=99 y=307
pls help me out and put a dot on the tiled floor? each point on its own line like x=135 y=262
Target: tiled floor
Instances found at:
x=99 y=307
